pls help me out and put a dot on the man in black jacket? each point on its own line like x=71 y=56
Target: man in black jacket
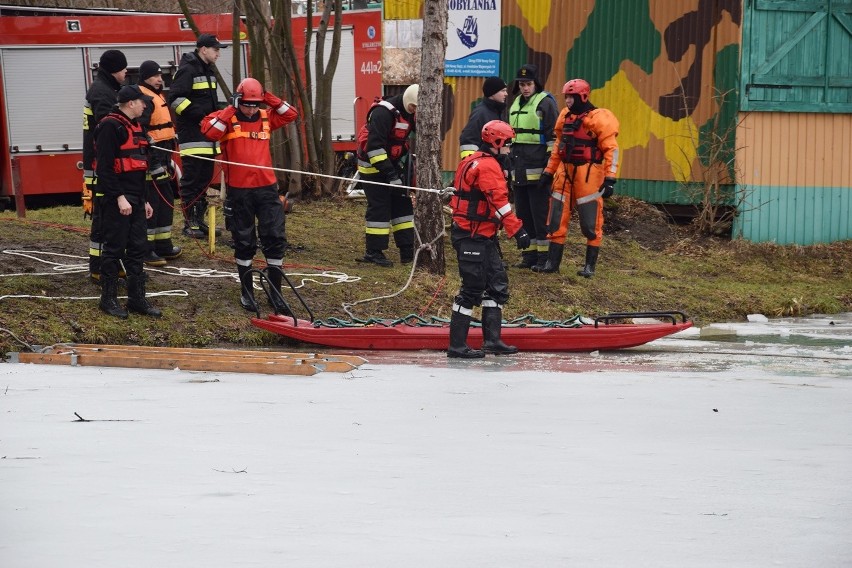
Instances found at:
x=100 y=99
x=193 y=96
x=492 y=107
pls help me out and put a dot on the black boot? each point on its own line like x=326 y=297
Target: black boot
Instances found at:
x=591 y=260
x=528 y=259
x=554 y=259
x=459 y=327
x=406 y=255
x=136 y=300
x=247 y=300
x=109 y=298
x=376 y=257
x=541 y=261
x=191 y=226
x=276 y=300
x=492 y=326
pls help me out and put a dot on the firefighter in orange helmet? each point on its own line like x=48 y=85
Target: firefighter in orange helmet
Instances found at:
x=581 y=172
x=243 y=129
x=480 y=207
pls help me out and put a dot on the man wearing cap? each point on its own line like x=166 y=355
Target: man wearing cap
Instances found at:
x=492 y=107
x=157 y=122
x=532 y=115
x=100 y=99
x=193 y=96
x=382 y=160
x=121 y=154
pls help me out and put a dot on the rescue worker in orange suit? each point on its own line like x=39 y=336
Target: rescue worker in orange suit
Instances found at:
x=581 y=173
x=192 y=96
x=481 y=207
x=243 y=130
x=100 y=100
x=532 y=114
x=121 y=165
x=383 y=151
x=157 y=122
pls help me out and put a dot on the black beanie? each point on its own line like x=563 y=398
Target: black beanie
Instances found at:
x=113 y=61
x=492 y=85
x=148 y=69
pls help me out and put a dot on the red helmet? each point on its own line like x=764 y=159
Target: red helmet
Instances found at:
x=577 y=87
x=497 y=133
x=251 y=90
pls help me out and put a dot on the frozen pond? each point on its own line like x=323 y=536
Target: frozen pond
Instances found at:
x=728 y=446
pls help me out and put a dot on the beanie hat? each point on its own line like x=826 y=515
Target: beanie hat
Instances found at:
x=492 y=85
x=148 y=69
x=112 y=61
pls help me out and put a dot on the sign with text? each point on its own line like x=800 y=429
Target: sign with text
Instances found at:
x=473 y=38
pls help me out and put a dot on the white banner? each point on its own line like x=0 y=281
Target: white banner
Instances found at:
x=473 y=38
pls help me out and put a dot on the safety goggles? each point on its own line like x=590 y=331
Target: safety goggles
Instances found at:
x=251 y=104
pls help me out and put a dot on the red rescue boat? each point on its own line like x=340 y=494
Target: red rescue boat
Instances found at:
x=413 y=333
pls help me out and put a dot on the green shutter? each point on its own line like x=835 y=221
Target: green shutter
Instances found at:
x=796 y=56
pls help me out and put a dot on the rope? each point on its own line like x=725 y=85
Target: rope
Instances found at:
x=415 y=320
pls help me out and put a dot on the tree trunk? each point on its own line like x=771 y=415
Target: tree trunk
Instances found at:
x=428 y=213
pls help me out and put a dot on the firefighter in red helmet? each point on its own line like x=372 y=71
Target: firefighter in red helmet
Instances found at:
x=481 y=207
x=582 y=171
x=242 y=130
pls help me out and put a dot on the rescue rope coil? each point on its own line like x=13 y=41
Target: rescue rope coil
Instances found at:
x=414 y=320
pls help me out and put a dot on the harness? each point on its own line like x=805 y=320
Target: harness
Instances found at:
x=473 y=196
x=238 y=132
x=131 y=154
x=578 y=145
x=397 y=137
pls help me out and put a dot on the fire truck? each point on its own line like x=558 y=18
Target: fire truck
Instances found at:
x=49 y=59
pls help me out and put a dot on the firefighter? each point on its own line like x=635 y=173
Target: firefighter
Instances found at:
x=532 y=114
x=157 y=121
x=492 y=107
x=243 y=130
x=581 y=173
x=100 y=100
x=480 y=207
x=383 y=157
x=121 y=165
x=193 y=96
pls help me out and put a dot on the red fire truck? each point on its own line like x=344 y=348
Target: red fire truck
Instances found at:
x=48 y=61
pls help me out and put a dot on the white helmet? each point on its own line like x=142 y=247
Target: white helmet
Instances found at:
x=409 y=97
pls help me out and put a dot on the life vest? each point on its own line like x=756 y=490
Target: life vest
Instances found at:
x=469 y=202
x=160 y=126
x=238 y=132
x=397 y=137
x=525 y=120
x=131 y=155
x=578 y=145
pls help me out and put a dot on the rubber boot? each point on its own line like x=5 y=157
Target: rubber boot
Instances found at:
x=375 y=257
x=591 y=260
x=541 y=261
x=136 y=300
x=109 y=298
x=247 y=300
x=276 y=300
x=492 y=327
x=406 y=255
x=191 y=227
x=459 y=327
x=554 y=259
x=528 y=259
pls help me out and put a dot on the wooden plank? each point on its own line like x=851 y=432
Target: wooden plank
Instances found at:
x=353 y=360
x=45 y=358
x=194 y=363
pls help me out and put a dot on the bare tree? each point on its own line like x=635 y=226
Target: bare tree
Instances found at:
x=428 y=212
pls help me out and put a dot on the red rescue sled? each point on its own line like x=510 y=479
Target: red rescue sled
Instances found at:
x=603 y=334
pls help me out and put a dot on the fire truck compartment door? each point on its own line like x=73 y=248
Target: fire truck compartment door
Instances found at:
x=343 y=87
x=44 y=98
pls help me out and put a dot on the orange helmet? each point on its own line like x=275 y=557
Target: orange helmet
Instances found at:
x=577 y=87
x=251 y=90
x=497 y=133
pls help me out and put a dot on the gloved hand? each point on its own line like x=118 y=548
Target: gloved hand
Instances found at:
x=545 y=181
x=522 y=239
x=271 y=100
x=608 y=187
x=235 y=99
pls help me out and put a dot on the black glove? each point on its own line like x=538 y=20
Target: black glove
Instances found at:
x=546 y=181
x=235 y=99
x=608 y=187
x=522 y=238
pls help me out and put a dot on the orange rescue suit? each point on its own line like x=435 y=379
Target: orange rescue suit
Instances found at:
x=577 y=182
